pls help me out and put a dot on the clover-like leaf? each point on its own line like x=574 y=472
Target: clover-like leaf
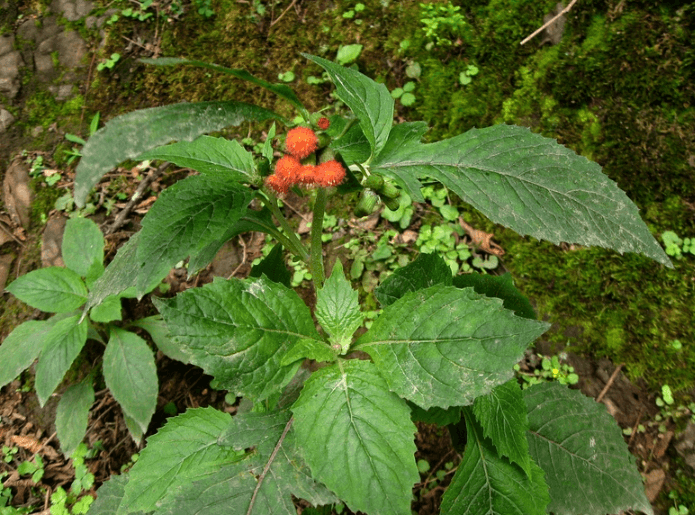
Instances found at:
x=442 y=346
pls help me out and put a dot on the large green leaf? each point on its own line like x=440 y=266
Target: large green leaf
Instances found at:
x=108 y=311
x=371 y=102
x=159 y=333
x=129 y=135
x=442 y=346
x=500 y=286
x=21 y=347
x=238 y=332
x=216 y=157
x=186 y=218
x=528 y=183
x=588 y=466
x=357 y=437
x=184 y=450
x=486 y=483
x=273 y=266
x=338 y=308
x=62 y=345
x=72 y=415
x=352 y=146
x=281 y=90
x=53 y=289
x=131 y=375
x=83 y=245
x=231 y=490
x=502 y=415
x=427 y=270
x=109 y=496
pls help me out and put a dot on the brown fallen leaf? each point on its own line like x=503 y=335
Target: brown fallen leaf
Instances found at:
x=482 y=239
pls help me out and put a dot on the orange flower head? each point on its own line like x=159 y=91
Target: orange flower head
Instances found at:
x=288 y=168
x=278 y=184
x=301 y=141
x=307 y=174
x=330 y=173
x=323 y=123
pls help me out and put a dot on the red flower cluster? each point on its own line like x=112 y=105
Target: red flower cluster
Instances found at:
x=300 y=143
x=323 y=123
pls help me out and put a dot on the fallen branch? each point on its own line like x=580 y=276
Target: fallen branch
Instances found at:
x=548 y=23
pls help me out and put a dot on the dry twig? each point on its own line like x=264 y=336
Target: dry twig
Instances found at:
x=549 y=22
x=609 y=383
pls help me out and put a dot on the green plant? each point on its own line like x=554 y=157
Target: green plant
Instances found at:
x=405 y=94
x=109 y=62
x=350 y=14
x=74 y=501
x=128 y=363
x=675 y=246
x=348 y=54
x=442 y=23
x=74 y=152
x=287 y=76
x=205 y=8
x=35 y=468
x=552 y=368
x=441 y=348
x=465 y=76
x=140 y=13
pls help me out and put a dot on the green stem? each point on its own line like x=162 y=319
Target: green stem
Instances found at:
x=316 y=244
x=291 y=241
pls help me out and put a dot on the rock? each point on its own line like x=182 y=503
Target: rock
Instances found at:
x=5 y=264
x=685 y=444
x=17 y=194
x=62 y=92
x=553 y=33
x=71 y=49
x=52 y=241
x=654 y=483
x=9 y=73
x=28 y=31
x=6 y=119
x=72 y=10
x=6 y=44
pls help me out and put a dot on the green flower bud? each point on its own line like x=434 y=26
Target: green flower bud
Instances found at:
x=392 y=203
x=389 y=191
x=375 y=182
x=366 y=204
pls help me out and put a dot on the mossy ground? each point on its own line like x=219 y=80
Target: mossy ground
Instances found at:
x=619 y=88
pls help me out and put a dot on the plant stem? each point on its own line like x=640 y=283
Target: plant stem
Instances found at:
x=316 y=244
x=292 y=242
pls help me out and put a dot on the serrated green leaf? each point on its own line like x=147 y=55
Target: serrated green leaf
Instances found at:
x=267 y=151
x=62 y=345
x=280 y=90
x=129 y=135
x=121 y=275
x=501 y=287
x=108 y=311
x=530 y=184
x=338 y=308
x=21 y=347
x=442 y=346
x=136 y=432
x=131 y=375
x=83 y=245
x=217 y=157
x=486 y=483
x=72 y=415
x=588 y=466
x=311 y=349
x=109 y=496
x=186 y=218
x=427 y=270
x=352 y=146
x=159 y=333
x=357 y=437
x=371 y=102
x=502 y=416
x=274 y=268
x=238 y=332
x=182 y=451
x=230 y=491
x=53 y=289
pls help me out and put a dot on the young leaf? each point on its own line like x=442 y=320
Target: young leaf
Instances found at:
x=238 y=332
x=72 y=415
x=217 y=157
x=530 y=184
x=53 y=289
x=108 y=311
x=129 y=135
x=62 y=345
x=588 y=467
x=357 y=437
x=267 y=151
x=371 y=102
x=312 y=349
x=442 y=346
x=186 y=218
x=22 y=346
x=427 y=270
x=159 y=333
x=274 y=268
x=486 y=483
x=83 y=245
x=338 y=308
x=500 y=286
x=280 y=90
x=502 y=416
x=184 y=450
x=131 y=375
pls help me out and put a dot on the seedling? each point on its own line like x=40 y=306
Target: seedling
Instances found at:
x=465 y=77
x=109 y=62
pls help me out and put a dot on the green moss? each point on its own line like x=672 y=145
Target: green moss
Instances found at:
x=43 y=109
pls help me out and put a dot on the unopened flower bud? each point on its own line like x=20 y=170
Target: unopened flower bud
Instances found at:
x=366 y=203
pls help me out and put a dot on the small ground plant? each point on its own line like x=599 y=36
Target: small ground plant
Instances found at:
x=442 y=349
